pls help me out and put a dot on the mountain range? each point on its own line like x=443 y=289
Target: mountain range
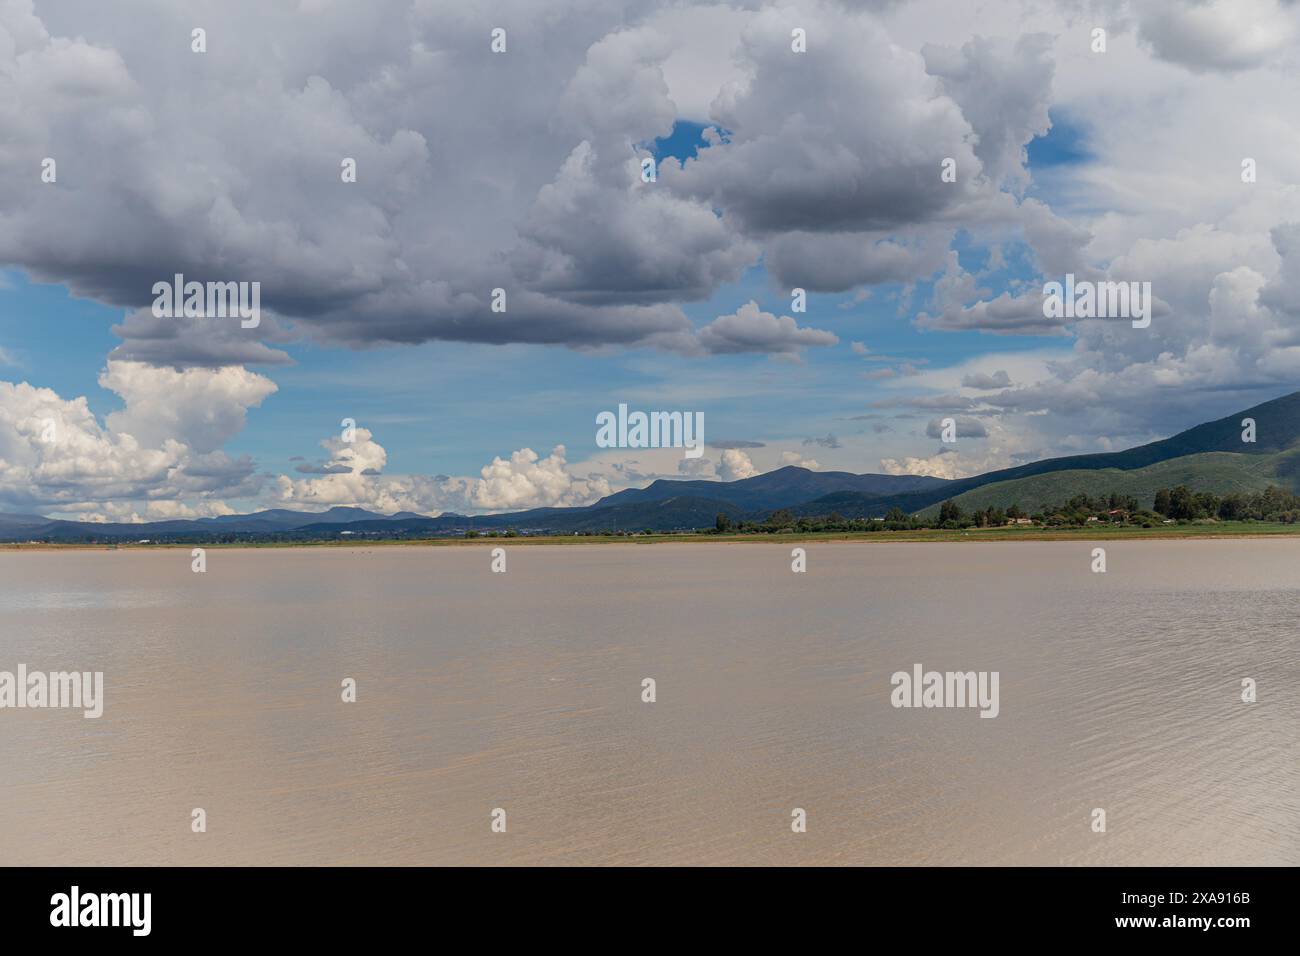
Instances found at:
x=1209 y=457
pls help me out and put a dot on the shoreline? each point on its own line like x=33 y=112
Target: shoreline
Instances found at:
x=1205 y=532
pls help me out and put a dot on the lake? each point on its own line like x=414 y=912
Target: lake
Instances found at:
x=522 y=691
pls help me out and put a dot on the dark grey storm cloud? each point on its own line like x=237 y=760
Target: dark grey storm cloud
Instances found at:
x=1003 y=88
x=750 y=329
x=983 y=380
x=199 y=341
x=1004 y=315
x=1283 y=293
x=478 y=171
x=1225 y=36
x=966 y=428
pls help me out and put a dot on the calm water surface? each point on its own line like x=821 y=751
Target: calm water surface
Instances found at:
x=522 y=691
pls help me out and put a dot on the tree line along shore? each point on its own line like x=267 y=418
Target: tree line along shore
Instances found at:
x=1176 y=512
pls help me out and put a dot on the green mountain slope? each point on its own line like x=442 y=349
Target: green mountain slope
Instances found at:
x=1219 y=472
x=1277 y=429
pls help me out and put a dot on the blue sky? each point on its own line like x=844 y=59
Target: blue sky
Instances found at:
x=776 y=169
x=448 y=407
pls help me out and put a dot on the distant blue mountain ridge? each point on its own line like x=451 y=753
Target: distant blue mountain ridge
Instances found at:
x=681 y=504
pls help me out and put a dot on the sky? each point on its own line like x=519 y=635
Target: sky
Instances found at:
x=521 y=169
